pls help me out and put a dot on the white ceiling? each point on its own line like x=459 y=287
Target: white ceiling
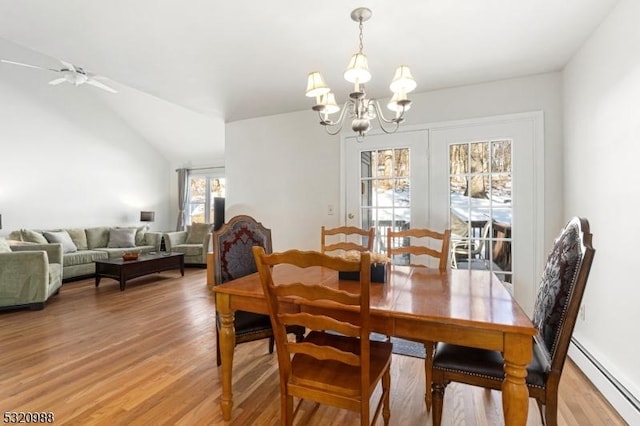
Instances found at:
x=241 y=59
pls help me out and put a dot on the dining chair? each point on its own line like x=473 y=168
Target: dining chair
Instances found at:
x=346 y=245
x=466 y=249
x=556 y=309
x=336 y=364
x=396 y=246
x=233 y=258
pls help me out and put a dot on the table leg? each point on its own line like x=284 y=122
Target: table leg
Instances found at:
x=227 y=335
x=515 y=395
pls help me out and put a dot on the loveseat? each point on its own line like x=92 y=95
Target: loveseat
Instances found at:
x=29 y=274
x=82 y=246
x=193 y=243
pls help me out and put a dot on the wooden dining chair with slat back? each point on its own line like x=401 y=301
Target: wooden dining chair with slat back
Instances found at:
x=232 y=249
x=413 y=248
x=555 y=312
x=346 y=245
x=336 y=364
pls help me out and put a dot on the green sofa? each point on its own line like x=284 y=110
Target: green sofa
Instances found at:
x=83 y=246
x=29 y=274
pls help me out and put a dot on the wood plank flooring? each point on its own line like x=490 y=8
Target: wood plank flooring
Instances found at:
x=99 y=356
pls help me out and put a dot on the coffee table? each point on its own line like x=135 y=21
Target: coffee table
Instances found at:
x=123 y=270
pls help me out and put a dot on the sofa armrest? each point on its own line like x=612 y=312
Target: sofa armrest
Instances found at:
x=172 y=239
x=54 y=250
x=24 y=277
x=153 y=239
x=206 y=242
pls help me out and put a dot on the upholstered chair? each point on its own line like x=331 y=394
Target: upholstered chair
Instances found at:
x=556 y=309
x=233 y=258
x=193 y=243
x=29 y=274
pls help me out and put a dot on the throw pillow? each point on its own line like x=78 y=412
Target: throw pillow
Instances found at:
x=79 y=238
x=61 y=237
x=33 y=236
x=97 y=237
x=4 y=246
x=197 y=232
x=122 y=238
x=140 y=235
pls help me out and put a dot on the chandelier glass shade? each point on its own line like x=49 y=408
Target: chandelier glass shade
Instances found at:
x=358 y=107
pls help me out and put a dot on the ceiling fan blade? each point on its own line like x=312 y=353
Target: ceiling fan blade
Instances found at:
x=28 y=65
x=101 y=86
x=57 y=81
x=68 y=65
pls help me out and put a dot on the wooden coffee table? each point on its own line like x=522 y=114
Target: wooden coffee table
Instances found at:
x=123 y=270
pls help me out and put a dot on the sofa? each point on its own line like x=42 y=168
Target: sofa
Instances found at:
x=82 y=246
x=193 y=243
x=29 y=274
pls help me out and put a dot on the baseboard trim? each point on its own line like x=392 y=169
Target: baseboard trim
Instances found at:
x=623 y=401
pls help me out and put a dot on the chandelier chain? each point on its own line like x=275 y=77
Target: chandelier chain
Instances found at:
x=361 y=37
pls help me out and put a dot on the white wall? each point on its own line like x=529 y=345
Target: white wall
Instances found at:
x=602 y=148
x=286 y=170
x=67 y=160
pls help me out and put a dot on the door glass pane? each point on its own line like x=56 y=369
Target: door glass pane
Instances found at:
x=385 y=185
x=480 y=206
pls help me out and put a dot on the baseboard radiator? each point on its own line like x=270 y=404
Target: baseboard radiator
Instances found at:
x=627 y=405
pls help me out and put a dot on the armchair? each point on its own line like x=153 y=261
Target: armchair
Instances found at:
x=29 y=275
x=194 y=243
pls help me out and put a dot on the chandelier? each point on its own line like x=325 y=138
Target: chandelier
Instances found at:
x=360 y=109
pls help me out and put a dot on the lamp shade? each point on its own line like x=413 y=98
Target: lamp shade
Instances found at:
x=329 y=103
x=402 y=80
x=147 y=216
x=316 y=85
x=358 y=69
x=399 y=102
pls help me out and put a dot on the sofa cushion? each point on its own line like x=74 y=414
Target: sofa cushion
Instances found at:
x=61 y=237
x=33 y=236
x=4 y=246
x=83 y=256
x=97 y=237
x=188 y=249
x=78 y=237
x=122 y=238
x=197 y=233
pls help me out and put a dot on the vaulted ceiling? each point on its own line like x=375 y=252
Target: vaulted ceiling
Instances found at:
x=241 y=59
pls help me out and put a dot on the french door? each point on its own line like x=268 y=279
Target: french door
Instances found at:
x=480 y=178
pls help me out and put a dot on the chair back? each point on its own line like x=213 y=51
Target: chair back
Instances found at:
x=232 y=245
x=561 y=289
x=413 y=248
x=366 y=239
x=309 y=295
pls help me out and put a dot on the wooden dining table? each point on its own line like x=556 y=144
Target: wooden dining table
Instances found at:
x=465 y=307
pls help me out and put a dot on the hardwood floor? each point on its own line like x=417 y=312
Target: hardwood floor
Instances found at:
x=146 y=356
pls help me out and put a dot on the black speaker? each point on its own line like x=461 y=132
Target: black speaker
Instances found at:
x=218 y=212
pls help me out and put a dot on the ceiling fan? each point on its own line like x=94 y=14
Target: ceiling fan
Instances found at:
x=71 y=74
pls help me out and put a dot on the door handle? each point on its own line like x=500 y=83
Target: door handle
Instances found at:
x=350 y=216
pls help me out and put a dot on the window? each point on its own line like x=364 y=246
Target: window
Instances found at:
x=203 y=188
x=480 y=206
x=385 y=191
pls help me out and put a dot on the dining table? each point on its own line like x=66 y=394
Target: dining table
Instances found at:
x=464 y=307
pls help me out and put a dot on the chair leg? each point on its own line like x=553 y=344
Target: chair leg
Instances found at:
x=438 y=399
x=386 y=387
x=551 y=409
x=271 y=342
x=429 y=348
x=541 y=411
x=299 y=336
x=286 y=410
